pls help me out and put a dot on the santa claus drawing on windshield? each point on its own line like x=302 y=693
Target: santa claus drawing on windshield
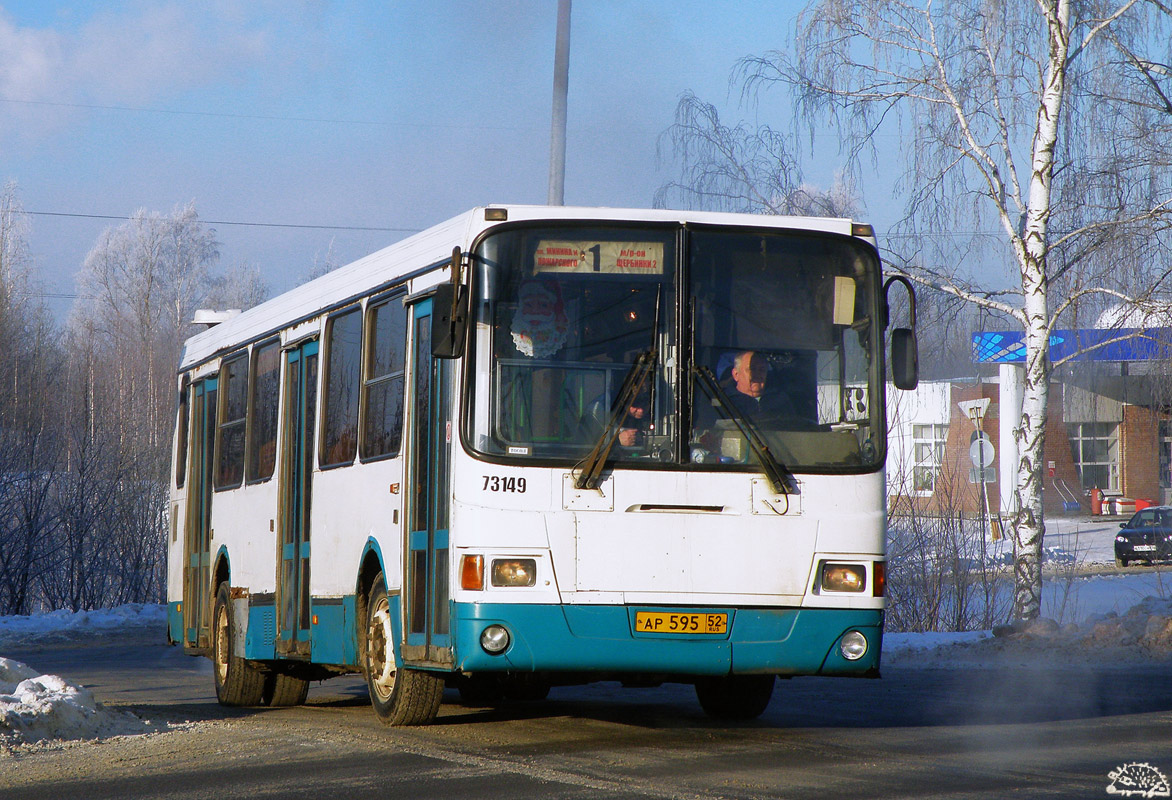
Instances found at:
x=540 y=325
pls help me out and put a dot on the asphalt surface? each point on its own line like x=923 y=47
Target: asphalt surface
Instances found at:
x=1037 y=731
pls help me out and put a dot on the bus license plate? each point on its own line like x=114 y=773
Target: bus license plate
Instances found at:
x=665 y=622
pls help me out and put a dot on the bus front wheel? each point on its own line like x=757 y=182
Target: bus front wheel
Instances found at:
x=400 y=696
x=238 y=683
x=735 y=697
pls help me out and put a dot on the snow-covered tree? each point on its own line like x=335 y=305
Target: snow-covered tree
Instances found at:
x=240 y=287
x=139 y=286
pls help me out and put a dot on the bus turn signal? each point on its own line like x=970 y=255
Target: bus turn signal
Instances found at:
x=472 y=573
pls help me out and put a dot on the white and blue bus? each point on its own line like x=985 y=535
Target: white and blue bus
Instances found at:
x=538 y=446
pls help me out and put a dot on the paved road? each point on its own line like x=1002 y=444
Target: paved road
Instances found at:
x=958 y=733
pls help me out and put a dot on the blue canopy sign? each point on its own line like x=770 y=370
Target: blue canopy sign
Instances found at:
x=1084 y=344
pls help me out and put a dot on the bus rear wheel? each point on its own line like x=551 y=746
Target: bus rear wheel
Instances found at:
x=400 y=696
x=735 y=697
x=284 y=690
x=238 y=683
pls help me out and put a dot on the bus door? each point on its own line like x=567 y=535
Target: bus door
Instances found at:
x=430 y=437
x=293 y=615
x=197 y=537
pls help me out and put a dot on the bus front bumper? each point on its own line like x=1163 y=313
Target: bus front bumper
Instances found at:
x=603 y=639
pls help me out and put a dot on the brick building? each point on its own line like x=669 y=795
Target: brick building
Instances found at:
x=1093 y=439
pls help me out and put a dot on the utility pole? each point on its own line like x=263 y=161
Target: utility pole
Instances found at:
x=561 y=88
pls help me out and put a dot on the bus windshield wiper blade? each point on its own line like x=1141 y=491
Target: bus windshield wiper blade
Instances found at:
x=778 y=474
x=591 y=466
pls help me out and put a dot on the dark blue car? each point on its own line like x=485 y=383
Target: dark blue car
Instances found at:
x=1145 y=537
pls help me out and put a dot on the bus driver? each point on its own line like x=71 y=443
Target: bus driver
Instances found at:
x=747 y=384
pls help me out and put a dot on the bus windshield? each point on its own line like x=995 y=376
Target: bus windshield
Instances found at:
x=780 y=322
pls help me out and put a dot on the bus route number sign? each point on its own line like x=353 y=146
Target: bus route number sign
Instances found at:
x=670 y=622
x=611 y=258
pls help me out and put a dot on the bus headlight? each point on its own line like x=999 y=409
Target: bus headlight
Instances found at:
x=514 y=571
x=853 y=645
x=843 y=577
x=495 y=639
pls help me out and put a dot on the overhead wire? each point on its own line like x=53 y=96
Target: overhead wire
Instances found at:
x=265 y=117
x=234 y=222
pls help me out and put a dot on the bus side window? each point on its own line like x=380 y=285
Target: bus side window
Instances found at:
x=339 y=436
x=181 y=444
x=382 y=391
x=230 y=444
x=262 y=408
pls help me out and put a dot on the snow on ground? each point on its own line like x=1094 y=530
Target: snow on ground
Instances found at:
x=36 y=708
x=64 y=626
x=1143 y=633
x=1070 y=541
x=1091 y=616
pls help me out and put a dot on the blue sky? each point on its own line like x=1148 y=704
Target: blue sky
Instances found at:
x=381 y=114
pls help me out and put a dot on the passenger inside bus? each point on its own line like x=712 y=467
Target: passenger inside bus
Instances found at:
x=634 y=425
x=565 y=347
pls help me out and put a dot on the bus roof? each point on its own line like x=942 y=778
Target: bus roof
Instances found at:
x=433 y=247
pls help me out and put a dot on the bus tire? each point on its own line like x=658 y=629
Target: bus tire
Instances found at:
x=238 y=682
x=400 y=696
x=735 y=697
x=527 y=688
x=480 y=690
x=284 y=690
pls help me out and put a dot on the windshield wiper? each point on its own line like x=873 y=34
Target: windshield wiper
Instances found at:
x=591 y=467
x=780 y=478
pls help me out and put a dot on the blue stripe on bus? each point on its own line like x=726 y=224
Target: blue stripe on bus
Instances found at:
x=174 y=622
x=601 y=638
x=334 y=637
x=260 y=640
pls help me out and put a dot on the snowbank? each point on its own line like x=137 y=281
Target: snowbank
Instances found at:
x=62 y=626
x=39 y=709
x=1142 y=634
x=35 y=708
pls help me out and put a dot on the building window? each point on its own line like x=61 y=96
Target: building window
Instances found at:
x=928 y=443
x=1094 y=446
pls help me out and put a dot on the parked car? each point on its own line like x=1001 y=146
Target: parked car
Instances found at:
x=1147 y=536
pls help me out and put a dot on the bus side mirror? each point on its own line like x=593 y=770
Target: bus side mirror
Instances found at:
x=449 y=318
x=905 y=358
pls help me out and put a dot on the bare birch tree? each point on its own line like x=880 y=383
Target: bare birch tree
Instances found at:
x=1032 y=115
x=30 y=373
x=742 y=169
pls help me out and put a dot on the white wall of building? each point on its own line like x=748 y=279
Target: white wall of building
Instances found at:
x=927 y=404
